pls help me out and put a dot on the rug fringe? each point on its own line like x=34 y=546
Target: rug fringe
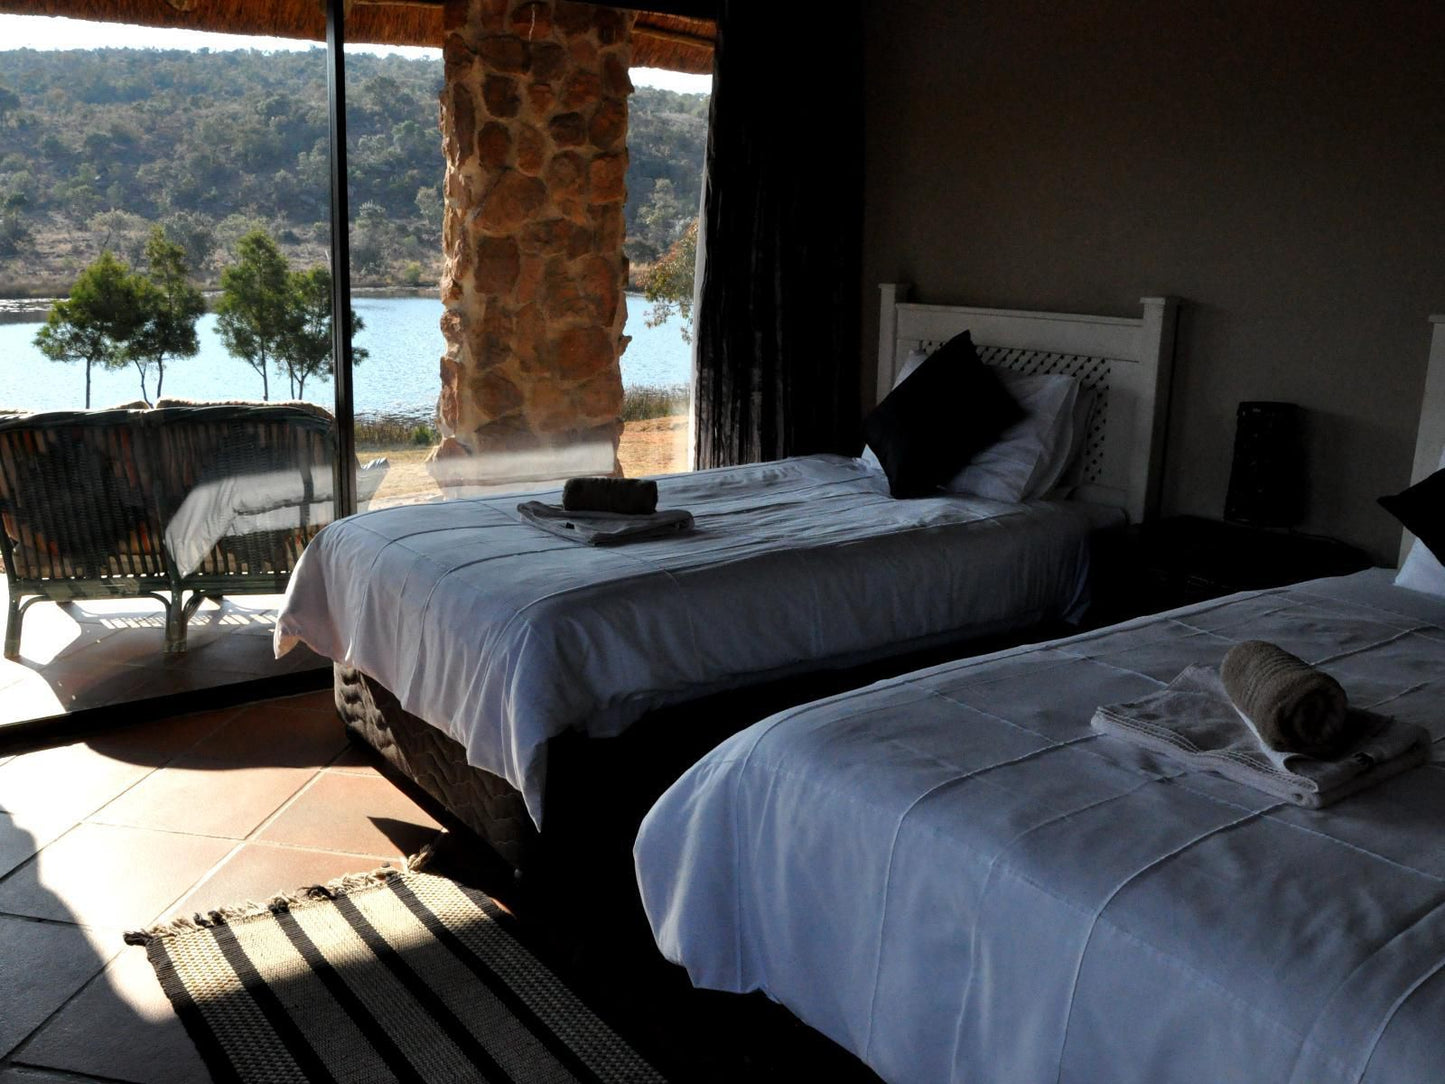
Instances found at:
x=340 y=886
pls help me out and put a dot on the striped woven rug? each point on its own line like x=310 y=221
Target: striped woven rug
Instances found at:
x=383 y=976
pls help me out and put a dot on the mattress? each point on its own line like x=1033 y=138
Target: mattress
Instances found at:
x=953 y=876
x=504 y=636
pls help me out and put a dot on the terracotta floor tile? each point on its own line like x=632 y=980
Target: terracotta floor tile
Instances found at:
x=63 y=784
x=274 y=733
x=121 y=1025
x=322 y=702
x=160 y=741
x=206 y=798
x=353 y=761
x=259 y=871
x=109 y=876
x=354 y=813
x=44 y=963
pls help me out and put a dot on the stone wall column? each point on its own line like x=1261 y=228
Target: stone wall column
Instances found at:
x=534 y=125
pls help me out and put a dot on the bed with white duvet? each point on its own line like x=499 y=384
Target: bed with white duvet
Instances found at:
x=954 y=877
x=501 y=637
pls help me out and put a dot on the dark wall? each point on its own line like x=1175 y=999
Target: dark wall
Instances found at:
x=1279 y=165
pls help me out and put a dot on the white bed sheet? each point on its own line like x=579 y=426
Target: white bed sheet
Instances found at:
x=242 y=504
x=503 y=636
x=952 y=876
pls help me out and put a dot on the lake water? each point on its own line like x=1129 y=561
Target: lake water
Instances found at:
x=401 y=375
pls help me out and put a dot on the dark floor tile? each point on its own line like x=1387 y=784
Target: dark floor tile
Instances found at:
x=120 y=1025
x=44 y=963
x=274 y=733
x=22 y=1074
x=109 y=876
x=206 y=798
x=260 y=871
x=355 y=813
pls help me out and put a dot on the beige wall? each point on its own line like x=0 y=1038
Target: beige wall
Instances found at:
x=1279 y=166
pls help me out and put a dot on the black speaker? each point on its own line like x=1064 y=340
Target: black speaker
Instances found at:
x=1267 y=481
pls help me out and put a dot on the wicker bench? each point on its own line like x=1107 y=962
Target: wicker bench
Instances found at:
x=86 y=499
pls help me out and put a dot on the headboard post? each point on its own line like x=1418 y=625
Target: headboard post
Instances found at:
x=1430 y=437
x=890 y=293
x=1156 y=339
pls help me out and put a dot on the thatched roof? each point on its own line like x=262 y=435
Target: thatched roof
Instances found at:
x=659 y=41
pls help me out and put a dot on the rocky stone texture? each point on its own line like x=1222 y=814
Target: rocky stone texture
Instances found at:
x=534 y=124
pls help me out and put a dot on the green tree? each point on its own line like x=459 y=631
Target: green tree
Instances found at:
x=255 y=304
x=14 y=234
x=9 y=103
x=668 y=284
x=305 y=348
x=97 y=322
x=172 y=306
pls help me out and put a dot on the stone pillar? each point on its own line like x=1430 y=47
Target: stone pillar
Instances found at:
x=534 y=124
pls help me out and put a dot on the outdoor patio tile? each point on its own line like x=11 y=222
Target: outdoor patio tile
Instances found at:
x=18 y=842
x=120 y=1025
x=107 y=875
x=51 y=960
x=275 y=733
x=63 y=785
x=354 y=813
x=259 y=871
x=81 y=684
x=205 y=798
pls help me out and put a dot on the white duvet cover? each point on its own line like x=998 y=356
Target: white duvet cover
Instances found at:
x=952 y=876
x=503 y=636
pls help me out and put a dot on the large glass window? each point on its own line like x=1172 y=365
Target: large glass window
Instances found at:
x=164 y=290
x=165 y=252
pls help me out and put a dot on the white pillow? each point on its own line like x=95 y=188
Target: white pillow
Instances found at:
x=1072 y=474
x=1422 y=570
x=1030 y=455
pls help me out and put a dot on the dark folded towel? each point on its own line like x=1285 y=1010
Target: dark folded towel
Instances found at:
x=1294 y=707
x=625 y=496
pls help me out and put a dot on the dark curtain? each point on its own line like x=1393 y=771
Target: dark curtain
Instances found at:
x=777 y=322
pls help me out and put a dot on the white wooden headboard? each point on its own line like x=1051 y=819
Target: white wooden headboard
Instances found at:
x=1430 y=437
x=1127 y=361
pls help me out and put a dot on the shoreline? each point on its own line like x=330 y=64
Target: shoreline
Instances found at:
x=31 y=309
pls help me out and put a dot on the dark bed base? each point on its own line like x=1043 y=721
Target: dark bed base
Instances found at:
x=598 y=789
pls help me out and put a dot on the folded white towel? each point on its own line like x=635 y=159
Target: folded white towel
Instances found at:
x=605 y=528
x=1193 y=722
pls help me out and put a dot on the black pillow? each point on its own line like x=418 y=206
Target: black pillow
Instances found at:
x=1421 y=508
x=948 y=410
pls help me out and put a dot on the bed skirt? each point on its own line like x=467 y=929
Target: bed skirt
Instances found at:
x=485 y=803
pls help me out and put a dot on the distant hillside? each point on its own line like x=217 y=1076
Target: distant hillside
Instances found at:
x=96 y=145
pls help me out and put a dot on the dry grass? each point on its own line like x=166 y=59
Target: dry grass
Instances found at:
x=651 y=446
